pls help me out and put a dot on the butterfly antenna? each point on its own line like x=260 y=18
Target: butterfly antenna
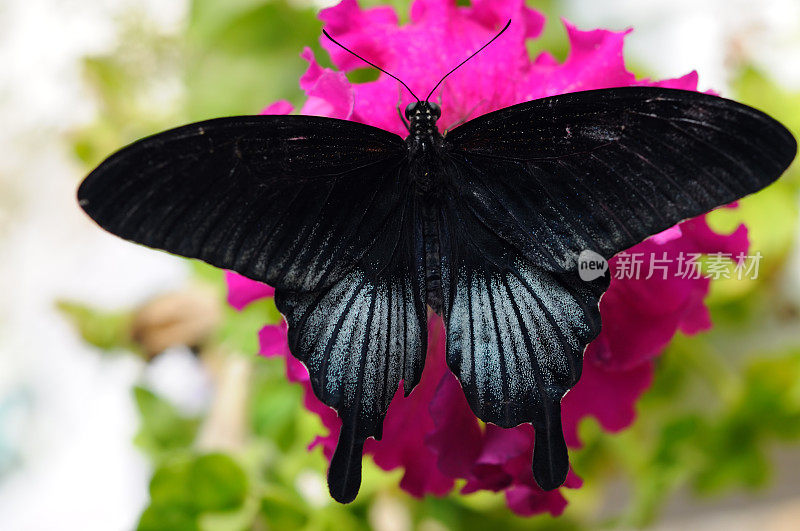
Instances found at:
x=467 y=59
x=343 y=47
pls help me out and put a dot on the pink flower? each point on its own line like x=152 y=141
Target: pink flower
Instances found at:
x=432 y=434
x=242 y=291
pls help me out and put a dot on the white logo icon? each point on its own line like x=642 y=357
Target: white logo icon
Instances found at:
x=591 y=265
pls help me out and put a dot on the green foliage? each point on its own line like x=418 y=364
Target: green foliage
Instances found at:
x=770 y=215
x=109 y=331
x=553 y=39
x=239 y=330
x=704 y=424
x=274 y=406
x=243 y=55
x=183 y=491
x=137 y=89
x=163 y=431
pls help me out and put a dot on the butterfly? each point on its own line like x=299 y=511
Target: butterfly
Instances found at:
x=360 y=230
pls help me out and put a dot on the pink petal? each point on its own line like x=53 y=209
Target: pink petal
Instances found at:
x=407 y=424
x=607 y=395
x=686 y=82
x=672 y=233
x=279 y=107
x=329 y=419
x=528 y=501
x=349 y=24
x=640 y=316
x=447 y=33
x=329 y=93
x=272 y=341
x=242 y=291
x=595 y=61
x=455 y=427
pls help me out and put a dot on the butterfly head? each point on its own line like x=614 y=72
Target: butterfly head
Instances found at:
x=423 y=110
x=422 y=117
x=422 y=114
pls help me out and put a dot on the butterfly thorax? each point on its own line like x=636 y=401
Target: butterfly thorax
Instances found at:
x=424 y=147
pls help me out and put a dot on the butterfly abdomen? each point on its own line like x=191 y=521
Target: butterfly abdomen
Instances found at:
x=433 y=268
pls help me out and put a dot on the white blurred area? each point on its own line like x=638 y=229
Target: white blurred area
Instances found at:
x=67 y=417
x=673 y=37
x=66 y=414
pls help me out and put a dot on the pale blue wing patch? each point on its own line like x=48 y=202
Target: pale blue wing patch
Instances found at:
x=518 y=335
x=516 y=338
x=359 y=335
x=359 y=339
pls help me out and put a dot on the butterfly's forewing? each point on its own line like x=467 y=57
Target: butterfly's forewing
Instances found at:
x=321 y=209
x=293 y=201
x=533 y=185
x=604 y=169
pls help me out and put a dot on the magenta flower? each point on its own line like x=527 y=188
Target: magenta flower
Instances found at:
x=432 y=434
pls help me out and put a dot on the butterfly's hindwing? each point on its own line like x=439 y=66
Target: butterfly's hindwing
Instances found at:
x=516 y=333
x=361 y=337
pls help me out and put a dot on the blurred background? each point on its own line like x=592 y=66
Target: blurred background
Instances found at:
x=124 y=376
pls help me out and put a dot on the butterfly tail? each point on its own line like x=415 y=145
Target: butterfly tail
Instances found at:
x=550 y=457
x=344 y=474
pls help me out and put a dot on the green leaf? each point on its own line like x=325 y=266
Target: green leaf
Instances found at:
x=276 y=405
x=244 y=57
x=217 y=483
x=167 y=518
x=109 y=331
x=184 y=489
x=236 y=520
x=752 y=87
x=163 y=429
x=169 y=486
x=239 y=329
x=282 y=512
x=209 y=17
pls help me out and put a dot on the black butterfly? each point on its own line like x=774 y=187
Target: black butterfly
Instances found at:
x=358 y=229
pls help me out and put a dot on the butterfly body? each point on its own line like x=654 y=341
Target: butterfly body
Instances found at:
x=359 y=230
x=430 y=235
x=425 y=149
